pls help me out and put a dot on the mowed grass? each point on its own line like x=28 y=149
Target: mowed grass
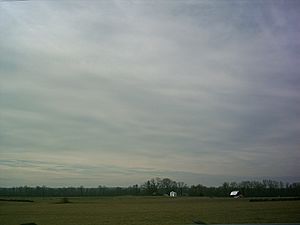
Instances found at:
x=147 y=211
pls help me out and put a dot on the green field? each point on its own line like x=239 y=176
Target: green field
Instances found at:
x=147 y=211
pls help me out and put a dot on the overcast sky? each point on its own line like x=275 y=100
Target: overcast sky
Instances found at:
x=118 y=92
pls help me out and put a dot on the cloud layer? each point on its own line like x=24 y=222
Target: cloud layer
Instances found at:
x=117 y=92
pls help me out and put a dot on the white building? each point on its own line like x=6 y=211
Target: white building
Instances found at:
x=173 y=194
x=235 y=194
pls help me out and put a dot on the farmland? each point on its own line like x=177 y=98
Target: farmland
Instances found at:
x=147 y=211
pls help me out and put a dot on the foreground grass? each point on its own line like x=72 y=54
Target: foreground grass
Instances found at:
x=147 y=211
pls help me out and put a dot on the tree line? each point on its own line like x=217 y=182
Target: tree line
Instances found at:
x=163 y=186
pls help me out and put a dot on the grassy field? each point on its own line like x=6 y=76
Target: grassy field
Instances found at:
x=147 y=211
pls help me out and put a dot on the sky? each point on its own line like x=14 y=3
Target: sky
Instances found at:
x=117 y=92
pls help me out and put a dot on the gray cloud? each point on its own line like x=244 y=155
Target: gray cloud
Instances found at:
x=189 y=90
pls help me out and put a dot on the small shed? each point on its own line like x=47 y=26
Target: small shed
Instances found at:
x=235 y=194
x=173 y=194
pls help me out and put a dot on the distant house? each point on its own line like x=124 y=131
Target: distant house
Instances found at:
x=173 y=194
x=235 y=194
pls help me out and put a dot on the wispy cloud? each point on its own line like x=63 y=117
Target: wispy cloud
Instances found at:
x=201 y=88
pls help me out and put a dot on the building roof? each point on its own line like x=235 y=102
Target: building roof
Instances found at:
x=234 y=193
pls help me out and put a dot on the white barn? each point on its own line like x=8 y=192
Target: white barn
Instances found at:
x=235 y=194
x=173 y=194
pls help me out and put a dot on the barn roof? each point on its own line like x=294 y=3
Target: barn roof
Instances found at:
x=234 y=193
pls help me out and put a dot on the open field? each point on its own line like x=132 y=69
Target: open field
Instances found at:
x=147 y=211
